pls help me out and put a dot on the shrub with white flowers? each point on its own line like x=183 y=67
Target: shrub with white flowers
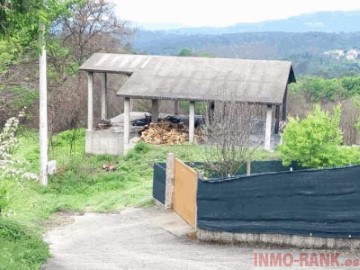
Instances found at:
x=12 y=169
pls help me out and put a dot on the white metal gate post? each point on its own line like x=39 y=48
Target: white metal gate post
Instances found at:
x=268 y=127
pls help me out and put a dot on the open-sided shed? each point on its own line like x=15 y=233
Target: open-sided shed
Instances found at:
x=192 y=79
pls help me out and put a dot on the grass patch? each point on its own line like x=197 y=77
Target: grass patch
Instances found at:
x=19 y=248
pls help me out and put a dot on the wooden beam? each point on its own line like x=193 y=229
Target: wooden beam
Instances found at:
x=191 y=121
x=268 y=127
x=104 y=113
x=90 y=123
x=126 y=124
x=155 y=110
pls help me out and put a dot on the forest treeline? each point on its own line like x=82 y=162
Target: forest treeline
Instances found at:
x=317 y=89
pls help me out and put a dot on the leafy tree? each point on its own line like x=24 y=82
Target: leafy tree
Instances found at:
x=20 y=19
x=314 y=141
x=186 y=52
x=189 y=52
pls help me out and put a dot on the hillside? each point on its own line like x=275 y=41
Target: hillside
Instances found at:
x=327 y=21
x=306 y=50
x=305 y=40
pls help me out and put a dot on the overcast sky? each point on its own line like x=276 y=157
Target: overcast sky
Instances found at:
x=223 y=12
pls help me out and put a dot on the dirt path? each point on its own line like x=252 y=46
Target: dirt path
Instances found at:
x=145 y=239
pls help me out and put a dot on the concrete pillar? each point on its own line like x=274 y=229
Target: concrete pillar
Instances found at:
x=126 y=124
x=176 y=107
x=277 y=119
x=283 y=116
x=169 y=184
x=211 y=110
x=90 y=124
x=104 y=114
x=268 y=127
x=191 y=121
x=155 y=110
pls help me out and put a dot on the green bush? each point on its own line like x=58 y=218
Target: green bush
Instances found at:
x=314 y=141
x=349 y=155
x=11 y=231
x=19 y=249
x=72 y=139
x=4 y=201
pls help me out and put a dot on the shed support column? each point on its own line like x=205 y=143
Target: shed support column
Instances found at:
x=176 y=107
x=277 y=119
x=103 y=97
x=90 y=124
x=155 y=110
x=268 y=127
x=192 y=121
x=283 y=116
x=126 y=124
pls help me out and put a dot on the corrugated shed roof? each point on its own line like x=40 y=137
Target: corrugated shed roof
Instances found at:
x=195 y=78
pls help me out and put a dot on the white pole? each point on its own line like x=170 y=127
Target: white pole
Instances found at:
x=90 y=123
x=103 y=96
x=43 y=116
x=192 y=121
x=268 y=127
x=126 y=124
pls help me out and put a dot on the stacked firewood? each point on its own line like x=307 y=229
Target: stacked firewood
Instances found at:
x=166 y=133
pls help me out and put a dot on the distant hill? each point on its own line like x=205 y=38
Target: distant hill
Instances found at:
x=293 y=39
x=327 y=21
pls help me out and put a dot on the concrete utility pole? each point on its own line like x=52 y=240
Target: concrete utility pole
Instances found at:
x=43 y=115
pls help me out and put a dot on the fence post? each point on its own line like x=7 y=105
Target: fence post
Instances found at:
x=169 y=185
x=248 y=167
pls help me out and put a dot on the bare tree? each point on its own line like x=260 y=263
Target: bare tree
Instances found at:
x=349 y=119
x=226 y=134
x=92 y=27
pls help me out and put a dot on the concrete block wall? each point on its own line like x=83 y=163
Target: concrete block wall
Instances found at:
x=106 y=141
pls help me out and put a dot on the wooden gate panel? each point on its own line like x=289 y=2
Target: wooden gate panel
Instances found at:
x=184 y=194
